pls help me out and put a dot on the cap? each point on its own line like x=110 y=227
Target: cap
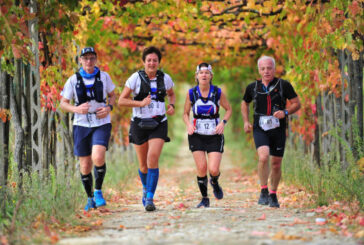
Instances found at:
x=87 y=50
x=209 y=68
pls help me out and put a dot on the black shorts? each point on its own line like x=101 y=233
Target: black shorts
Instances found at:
x=274 y=138
x=208 y=143
x=139 y=136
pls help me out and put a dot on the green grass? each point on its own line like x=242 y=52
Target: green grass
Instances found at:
x=330 y=182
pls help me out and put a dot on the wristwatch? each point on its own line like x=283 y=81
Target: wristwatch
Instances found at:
x=285 y=112
x=111 y=107
x=224 y=121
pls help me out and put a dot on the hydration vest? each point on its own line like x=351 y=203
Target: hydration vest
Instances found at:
x=95 y=92
x=145 y=88
x=275 y=93
x=205 y=110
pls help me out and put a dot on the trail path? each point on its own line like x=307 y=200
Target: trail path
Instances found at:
x=236 y=219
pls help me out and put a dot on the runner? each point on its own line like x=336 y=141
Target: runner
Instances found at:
x=149 y=128
x=205 y=132
x=269 y=128
x=89 y=88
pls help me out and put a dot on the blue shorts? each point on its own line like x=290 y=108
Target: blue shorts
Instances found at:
x=84 y=138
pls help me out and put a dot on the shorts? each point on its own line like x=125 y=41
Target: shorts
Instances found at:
x=139 y=136
x=208 y=143
x=274 y=138
x=84 y=138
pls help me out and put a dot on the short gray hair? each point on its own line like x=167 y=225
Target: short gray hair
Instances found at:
x=266 y=58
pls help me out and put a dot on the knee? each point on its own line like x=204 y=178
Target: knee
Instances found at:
x=263 y=158
x=276 y=166
x=98 y=159
x=214 y=172
x=153 y=158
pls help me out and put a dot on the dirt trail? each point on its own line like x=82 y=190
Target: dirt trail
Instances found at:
x=236 y=219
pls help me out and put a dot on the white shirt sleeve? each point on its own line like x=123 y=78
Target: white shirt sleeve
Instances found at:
x=68 y=92
x=110 y=86
x=132 y=81
x=168 y=83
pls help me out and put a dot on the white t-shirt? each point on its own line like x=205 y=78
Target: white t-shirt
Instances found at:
x=88 y=120
x=155 y=108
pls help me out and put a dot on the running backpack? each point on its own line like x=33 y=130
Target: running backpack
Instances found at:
x=214 y=97
x=95 y=92
x=146 y=90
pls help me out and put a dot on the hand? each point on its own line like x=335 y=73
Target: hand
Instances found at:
x=83 y=108
x=146 y=101
x=170 y=110
x=248 y=127
x=190 y=129
x=220 y=128
x=279 y=114
x=102 y=112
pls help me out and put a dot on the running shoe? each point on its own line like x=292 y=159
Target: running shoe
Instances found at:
x=149 y=205
x=205 y=202
x=273 y=201
x=218 y=193
x=90 y=204
x=264 y=195
x=99 y=199
x=144 y=196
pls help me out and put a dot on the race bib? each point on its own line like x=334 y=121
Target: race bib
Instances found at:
x=205 y=126
x=92 y=119
x=154 y=108
x=268 y=122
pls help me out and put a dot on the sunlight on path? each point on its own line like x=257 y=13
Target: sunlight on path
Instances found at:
x=236 y=219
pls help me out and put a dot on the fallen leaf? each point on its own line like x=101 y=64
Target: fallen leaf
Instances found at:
x=262 y=217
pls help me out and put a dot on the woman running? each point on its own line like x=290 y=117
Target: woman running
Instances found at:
x=205 y=131
x=148 y=127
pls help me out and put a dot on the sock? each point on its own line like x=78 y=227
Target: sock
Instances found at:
x=202 y=184
x=99 y=173
x=143 y=178
x=214 y=179
x=152 y=181
x=272 y=192
x=87 y=184
x=264 y=187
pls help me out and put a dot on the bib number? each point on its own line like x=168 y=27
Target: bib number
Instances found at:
x=205 y=126
x=268 y=122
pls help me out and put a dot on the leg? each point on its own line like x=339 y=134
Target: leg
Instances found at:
x=201 y=165
x=263 y=166
x=98 y=159
x=214 y=169
x=263 y=173
x=276 y=172
x=154 y=151
x=86 y=176
x=142 y=151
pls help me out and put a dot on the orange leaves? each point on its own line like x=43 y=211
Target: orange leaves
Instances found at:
x=355 y=8
x=282 y=236
x=5 y=115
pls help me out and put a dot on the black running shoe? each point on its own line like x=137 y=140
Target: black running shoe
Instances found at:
x=149 y=205
x=263 y=199
x=205 y=202
x=218 y=193
x=273 y=201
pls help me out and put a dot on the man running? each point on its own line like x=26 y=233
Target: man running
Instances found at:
x=89 y=88
x=269 y=128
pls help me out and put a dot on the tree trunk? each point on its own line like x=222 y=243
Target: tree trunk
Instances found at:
x=4 y=137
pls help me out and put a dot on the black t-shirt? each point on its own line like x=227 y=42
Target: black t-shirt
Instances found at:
x=268 y=103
